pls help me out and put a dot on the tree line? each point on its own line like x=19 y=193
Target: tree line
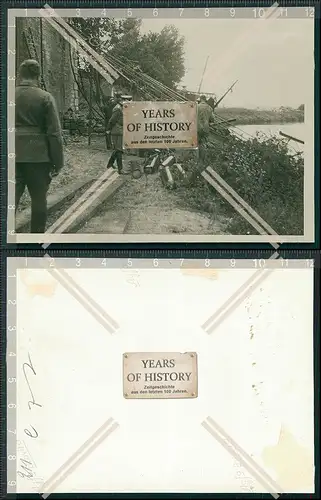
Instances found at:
x=159 y=55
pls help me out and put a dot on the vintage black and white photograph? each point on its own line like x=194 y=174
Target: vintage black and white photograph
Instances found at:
x=126 y=126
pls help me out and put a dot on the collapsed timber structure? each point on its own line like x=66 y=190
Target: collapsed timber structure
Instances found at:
x=36 y=39
x=52 y=41
x=58 y=48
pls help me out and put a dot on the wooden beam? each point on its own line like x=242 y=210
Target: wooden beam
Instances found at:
x=291 y=137
x=84 y=206
x=55 y=201
x=75 y=40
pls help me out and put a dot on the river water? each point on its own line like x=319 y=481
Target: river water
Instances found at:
x=296 y=130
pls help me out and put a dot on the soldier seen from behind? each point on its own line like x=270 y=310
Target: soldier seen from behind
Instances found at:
x=39 y=142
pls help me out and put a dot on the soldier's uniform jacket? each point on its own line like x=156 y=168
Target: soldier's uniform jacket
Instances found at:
x=38 y=132
x=108 y=111
x=204 y=118
x=115 y=124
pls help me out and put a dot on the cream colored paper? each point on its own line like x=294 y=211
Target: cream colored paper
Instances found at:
x=255 y=379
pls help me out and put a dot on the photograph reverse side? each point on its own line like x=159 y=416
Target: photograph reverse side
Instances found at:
x=175 y=128
x=216 y=375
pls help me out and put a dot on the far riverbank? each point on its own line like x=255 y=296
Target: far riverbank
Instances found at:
x=243 y=116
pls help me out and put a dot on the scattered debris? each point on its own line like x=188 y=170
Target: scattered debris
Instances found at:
x=165 y=164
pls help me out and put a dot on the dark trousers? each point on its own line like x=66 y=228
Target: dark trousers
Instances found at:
x=36 y=177
x=202 y=143
x=118 y=156
x=108 y=141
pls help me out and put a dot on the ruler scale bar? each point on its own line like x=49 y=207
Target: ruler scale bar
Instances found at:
x=104 y=260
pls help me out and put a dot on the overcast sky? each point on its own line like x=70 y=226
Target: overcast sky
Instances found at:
x=272 y=59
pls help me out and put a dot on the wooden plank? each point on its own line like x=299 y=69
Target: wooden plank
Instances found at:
x=63 y=222
x=93 y=205
x=54 y=202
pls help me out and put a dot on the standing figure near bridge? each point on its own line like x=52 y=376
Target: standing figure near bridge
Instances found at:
x=204 y=119
x=115 y=128
x=70 y=121
x=211 y=102
x=108 y=106
x=39 y=142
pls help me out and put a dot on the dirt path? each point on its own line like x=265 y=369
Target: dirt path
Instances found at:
x=152 y=209
x=142 y=206
x=138 y=207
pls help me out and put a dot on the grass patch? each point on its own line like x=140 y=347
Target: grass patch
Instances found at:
x=263 y=173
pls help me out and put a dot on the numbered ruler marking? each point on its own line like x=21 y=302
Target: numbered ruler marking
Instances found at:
x=159 y=263
x=11 y=376
x=160 y=375
x=174 y=13
x=11 y=76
